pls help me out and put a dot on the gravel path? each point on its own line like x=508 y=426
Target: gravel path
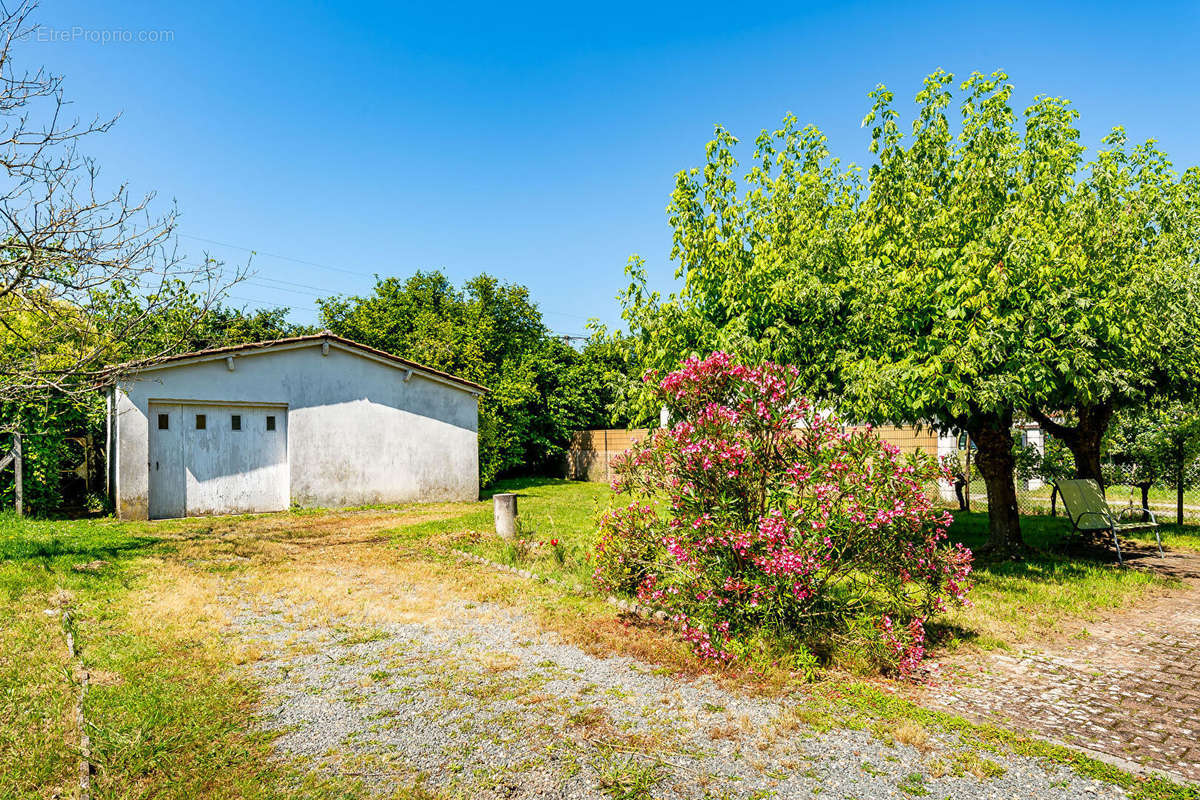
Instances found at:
x=479 y=703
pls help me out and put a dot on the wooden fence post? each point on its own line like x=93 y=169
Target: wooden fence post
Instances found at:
x=18 y=477
x=607 y=474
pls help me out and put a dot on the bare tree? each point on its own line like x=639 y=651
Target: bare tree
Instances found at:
x=69 y=246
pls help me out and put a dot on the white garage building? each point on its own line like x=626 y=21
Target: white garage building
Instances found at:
x=310 y=421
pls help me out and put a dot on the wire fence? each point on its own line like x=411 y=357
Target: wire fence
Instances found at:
x=1040 y=462
x=1123 y=489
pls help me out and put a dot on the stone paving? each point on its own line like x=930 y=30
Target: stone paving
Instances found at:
x=1129 y=688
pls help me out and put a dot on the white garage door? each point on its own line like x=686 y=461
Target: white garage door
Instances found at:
x=217 y=459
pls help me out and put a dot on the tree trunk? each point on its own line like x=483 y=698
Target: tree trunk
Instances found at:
x=19 y=479
x=992 y=435
x=1145 y=487
x=1087 y=461
x=1093 y=424
x=1084 y=439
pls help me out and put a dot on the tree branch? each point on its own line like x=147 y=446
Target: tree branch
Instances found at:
x=1055 y=429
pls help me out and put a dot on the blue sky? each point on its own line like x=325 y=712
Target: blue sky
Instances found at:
x=538 y=142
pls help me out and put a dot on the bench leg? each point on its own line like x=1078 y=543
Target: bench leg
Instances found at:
x=1158 y=539
x=1117 y=542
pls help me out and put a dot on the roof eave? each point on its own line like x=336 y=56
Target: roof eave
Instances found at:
x=115 y=373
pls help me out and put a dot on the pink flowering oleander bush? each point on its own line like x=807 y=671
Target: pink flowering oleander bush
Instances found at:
x=626 y=549
x=754 y=516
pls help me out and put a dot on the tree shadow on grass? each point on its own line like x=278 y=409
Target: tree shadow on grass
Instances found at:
x=1052 y=545
x=24 y=539
x=53 y=548
x=940 y=634
x=516 y=485
x=1057 y=553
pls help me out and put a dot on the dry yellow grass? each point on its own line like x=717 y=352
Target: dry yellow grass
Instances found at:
x=499 y=662
x=912 y=734
x=344 y=567
x=324 y=567
x=724 y=730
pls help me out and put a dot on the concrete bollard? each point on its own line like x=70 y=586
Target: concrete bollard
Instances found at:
x=504 y=509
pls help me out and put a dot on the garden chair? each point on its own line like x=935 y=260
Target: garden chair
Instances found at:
x=1089 y=512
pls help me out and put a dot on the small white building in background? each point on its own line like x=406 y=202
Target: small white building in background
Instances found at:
x=310 y=421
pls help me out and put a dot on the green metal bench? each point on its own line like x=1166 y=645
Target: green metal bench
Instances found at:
x=1089 y=512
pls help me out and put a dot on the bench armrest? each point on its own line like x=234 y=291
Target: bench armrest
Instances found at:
x=1138 y=511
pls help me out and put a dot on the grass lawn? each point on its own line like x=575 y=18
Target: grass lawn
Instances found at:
x=171 y=716
x=1049 y=593
x=548 y=509
x=165 y=716
x=1045 y=595
x=1181 y=537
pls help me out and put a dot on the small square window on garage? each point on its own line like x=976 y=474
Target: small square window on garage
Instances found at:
x=201 y=422
x=164 y=421
x=236 y=422
x=270 y=422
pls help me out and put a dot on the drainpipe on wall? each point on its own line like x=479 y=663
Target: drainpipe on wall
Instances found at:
x=108 y=441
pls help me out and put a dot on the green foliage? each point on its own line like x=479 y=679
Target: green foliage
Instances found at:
x=490 y=332
x=1119 y=321
x=626 y=548
x=1049 y=463
x=1157 y=445
x=982 y=270
x=937 y=227
x=178 y=320
x=55 y=435
x=764 y=274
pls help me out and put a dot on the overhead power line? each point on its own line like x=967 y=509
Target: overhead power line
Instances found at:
x=267 y=304
x=256 y=282
x=318 y=291
x=281 y=257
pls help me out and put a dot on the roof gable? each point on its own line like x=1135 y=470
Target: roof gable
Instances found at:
x=324 y=339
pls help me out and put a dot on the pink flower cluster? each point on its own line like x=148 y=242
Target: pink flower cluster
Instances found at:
x=777 y=517
x=907 y=646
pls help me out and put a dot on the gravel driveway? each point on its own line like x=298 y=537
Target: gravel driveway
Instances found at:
x=478 y=702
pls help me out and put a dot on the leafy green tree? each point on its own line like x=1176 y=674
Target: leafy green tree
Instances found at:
x=1125 y=329
x=603 y=383
x=540 y=388
x=971 y=280
x=1158 y=444
x=762 y=263
x=959 y=239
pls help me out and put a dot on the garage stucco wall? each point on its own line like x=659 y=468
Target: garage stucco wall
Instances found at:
x=357 y=432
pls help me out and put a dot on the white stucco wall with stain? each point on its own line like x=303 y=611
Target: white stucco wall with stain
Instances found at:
x=350 y=427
